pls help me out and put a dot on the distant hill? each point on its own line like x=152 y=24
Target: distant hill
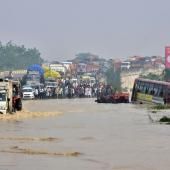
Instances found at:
x=14 y=57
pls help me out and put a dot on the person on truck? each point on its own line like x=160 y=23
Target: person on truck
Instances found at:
x=13 y=104
x=16 y=98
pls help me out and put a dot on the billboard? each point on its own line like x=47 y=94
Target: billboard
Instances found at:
x=81 y=68
x=167 y=57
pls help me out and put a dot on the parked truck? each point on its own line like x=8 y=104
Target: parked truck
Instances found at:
x=10 y=96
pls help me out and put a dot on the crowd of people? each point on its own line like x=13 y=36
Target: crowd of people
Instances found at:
x=67 y=89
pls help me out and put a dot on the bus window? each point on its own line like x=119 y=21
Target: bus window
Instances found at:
x=167 y=95
x=155 y=90
x=137 y=85
x=168 y=92
x=146 y=88
x=150 y=91
x=141 y=87
x=160 y=94
x=159 y=90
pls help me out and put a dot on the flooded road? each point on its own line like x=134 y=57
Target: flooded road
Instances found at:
x=87 y=136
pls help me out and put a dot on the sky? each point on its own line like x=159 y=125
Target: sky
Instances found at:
x=60 y=29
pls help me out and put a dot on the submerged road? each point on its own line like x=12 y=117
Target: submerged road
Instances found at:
x=87 y=136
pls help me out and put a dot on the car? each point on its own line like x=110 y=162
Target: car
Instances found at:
x=28 y=92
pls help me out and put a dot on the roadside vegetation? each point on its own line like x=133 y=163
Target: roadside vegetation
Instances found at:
x=164 y=76
x=160 y=107
x=162 y=112
x=165 y=119
x=153 y=76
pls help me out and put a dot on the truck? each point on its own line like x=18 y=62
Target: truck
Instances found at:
x=35 y=75
x=33 y=78
x=10 y=96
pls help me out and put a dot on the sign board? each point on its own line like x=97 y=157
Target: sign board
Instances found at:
x=58 y=68
x=33 y=72
x=81 y=68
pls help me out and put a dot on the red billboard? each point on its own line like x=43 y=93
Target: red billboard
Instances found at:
x=167 y=57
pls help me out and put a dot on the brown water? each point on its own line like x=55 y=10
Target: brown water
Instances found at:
x=87 y=136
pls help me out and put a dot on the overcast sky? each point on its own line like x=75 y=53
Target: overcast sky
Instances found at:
x=109 y=28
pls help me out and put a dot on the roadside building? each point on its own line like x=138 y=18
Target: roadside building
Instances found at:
x=92 y=68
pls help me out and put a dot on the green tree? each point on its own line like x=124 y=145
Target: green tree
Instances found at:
x=113 y=78
x=159 y=77
x=86 y=57
x=18 y=57
x=167 y=74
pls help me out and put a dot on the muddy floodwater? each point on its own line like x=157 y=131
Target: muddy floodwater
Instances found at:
x=86 y=136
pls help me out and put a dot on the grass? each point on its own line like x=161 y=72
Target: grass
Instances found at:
x=160 y=107
x=165 y=119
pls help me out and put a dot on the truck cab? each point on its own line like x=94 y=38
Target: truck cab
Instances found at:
x=3 y=101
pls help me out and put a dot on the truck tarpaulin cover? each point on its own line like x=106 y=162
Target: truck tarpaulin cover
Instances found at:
x=36 y=67
x=167 y=57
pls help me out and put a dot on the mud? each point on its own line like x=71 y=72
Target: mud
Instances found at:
x=30 y=151
x=20 y=115
x=87 y=138
x=45 y=139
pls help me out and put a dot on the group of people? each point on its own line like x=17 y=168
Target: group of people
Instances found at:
x=66 y=90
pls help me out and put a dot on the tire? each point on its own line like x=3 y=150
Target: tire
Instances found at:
x=18 y=105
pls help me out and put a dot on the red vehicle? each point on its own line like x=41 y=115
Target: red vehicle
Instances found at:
x=118 y=97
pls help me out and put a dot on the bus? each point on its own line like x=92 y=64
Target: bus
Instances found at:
x=151 y=91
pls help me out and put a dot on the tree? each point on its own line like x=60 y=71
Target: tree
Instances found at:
x=167 y=75
x=113 y=78
x=86 y=57
x=152 y=76
x=18 y=57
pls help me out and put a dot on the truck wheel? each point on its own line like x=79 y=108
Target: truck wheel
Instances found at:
x=19 y=105
x=13 y=109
